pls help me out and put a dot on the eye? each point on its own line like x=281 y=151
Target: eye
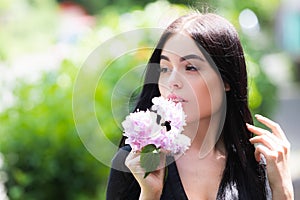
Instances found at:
x=190 y=67
x=164 y=69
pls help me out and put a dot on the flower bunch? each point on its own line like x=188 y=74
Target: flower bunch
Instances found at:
x=159 y=128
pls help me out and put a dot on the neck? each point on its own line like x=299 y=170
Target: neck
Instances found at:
x=205 y=135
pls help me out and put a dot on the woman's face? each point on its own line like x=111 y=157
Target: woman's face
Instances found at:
x=187 y=77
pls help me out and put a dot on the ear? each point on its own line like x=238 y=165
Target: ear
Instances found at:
x=227 y=87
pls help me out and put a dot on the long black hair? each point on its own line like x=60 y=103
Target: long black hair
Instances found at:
x=220 y=40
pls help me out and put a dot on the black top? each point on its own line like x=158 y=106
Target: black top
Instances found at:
x=123 y=186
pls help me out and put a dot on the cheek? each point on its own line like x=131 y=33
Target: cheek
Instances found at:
x=199 y=100
x=162 y=87
x=206 y=98
x=213 y=95
x=203 y=99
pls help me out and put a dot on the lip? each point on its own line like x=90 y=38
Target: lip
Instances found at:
x=176 y=99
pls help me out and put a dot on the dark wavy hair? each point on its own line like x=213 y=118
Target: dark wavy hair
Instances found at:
x=220 y=40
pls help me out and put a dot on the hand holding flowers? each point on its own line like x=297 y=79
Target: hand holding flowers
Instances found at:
x=151 y=131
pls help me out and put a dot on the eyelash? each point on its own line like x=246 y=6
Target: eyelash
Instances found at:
x=189 y=67
x=164 y=69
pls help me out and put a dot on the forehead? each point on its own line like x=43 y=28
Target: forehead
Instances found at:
x=181 y=45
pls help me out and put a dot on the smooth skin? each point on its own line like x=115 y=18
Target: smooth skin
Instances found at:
x=275 y=147
x=191 y=79
x=186 y=74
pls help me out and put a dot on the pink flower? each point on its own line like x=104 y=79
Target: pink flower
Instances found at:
x=141 y=128
x=170 y=111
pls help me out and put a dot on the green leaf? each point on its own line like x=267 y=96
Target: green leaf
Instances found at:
x=150 y=159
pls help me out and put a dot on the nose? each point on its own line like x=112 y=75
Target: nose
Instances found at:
x=175 y=81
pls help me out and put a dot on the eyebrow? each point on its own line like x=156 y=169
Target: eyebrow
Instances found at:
x=163 y=57
x=187 y=57
x=191 y=56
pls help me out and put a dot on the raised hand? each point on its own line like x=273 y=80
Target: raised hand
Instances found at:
x=275 y=147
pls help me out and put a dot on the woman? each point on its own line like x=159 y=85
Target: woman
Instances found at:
x=184 y=67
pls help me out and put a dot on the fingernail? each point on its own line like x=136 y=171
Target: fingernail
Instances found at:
x=257 y=115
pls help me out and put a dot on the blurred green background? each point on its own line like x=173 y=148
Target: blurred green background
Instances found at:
x=43 y=44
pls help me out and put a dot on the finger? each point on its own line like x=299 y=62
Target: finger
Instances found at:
x=162 y=163
x=266 y=152
x=275 y=127
x=257 y=130
x=133 y=163
x=132 y=155
x=267 y=141
x=284 y=143
x=257 y=153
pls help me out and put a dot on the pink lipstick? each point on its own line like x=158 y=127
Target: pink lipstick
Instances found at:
x=175 y=98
